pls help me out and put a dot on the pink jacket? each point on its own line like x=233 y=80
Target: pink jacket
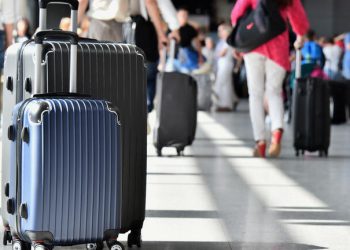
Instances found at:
x=278 y=48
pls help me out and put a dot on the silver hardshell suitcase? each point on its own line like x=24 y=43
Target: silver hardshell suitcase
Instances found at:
x=106 y=70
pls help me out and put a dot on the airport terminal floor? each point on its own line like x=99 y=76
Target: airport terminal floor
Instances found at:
x=218 y=197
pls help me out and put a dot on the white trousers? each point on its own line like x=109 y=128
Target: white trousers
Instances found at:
x=224 y=90
x=265 y=78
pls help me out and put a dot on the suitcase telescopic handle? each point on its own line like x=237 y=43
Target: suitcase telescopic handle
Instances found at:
x=172 y=55
x=298 y=61
x=74 y=4
x=39 y=38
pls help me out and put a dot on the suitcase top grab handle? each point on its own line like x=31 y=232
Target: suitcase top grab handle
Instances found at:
x=74 y=4
x=73 y=38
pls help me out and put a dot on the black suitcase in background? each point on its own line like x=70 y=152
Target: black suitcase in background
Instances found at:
x=176 y=111
x=311 y=114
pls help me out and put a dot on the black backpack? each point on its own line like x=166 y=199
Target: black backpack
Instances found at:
x=257 y=27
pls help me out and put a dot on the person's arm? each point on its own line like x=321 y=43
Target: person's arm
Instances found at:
x=239 y=10
x=9 y=34
x=154 y=13
x=83 y=4
x=169 y=14
x=297 y=18
x=8 y=19
x=223 y=52
x=340 y=37
x=168 y=11
x=198 y=47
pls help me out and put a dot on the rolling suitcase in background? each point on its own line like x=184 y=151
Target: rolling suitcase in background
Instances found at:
x=65 y=172
x=205 y=91
x=311 y=113
x=109 y=71
x=176 y=110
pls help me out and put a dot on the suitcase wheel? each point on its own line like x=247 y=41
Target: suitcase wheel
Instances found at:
x=41 y=247
x=134 y=238
x=159 y=152
x=115 y=245
x=323 y=153
x=7 y=237
x=180 y=151
x=95 y=246
x=21 y=245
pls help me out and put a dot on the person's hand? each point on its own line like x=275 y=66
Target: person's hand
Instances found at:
x=236 y=54
x=299 y=43
x=201 y=60
x=175 y=34
x=162 y=41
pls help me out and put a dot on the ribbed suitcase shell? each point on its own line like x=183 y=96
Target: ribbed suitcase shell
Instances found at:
x=311 y=115
x=176 y=111
x=69 y=171
x=111 y=71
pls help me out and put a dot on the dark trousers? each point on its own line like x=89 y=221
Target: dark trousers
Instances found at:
x=339 y=93
x=151 y=84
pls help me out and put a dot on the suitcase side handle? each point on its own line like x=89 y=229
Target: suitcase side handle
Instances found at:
x=39 y=39
x=74 y=4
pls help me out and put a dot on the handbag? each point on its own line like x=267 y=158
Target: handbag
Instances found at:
x=257 y=27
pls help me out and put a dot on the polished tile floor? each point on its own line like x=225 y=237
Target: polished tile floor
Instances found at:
x=218 y=197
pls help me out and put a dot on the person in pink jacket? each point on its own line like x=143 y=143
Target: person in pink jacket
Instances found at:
x=266 y=69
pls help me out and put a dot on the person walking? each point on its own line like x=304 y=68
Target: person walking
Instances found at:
x=333 y=54
x=190 y=51
x=266 y=69
x=312 y=51
x=346 y=59
x=106 y=18
x=7 y=16
x=149 y=16
x=227 y=99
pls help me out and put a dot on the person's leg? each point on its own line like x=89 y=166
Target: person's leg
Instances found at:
x=255 y=69
x=151 y=84
x=275 y=75
x=223 y=87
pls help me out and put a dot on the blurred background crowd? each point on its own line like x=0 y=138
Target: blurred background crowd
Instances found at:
x=202 y=48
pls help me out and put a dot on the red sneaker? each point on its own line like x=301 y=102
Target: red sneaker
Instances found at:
x=275 y=147
x=260 y=149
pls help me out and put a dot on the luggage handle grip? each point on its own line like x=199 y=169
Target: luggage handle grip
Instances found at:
x=39 y=38
x=60 y=94
x=54 y=34
x=74 y=4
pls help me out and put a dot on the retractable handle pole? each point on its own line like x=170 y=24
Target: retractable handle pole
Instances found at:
x=298 y=64
x=74 y=4
x=172 y=53
x=73 y=38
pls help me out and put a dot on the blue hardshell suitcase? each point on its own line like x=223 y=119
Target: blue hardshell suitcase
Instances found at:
x=66 y=171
